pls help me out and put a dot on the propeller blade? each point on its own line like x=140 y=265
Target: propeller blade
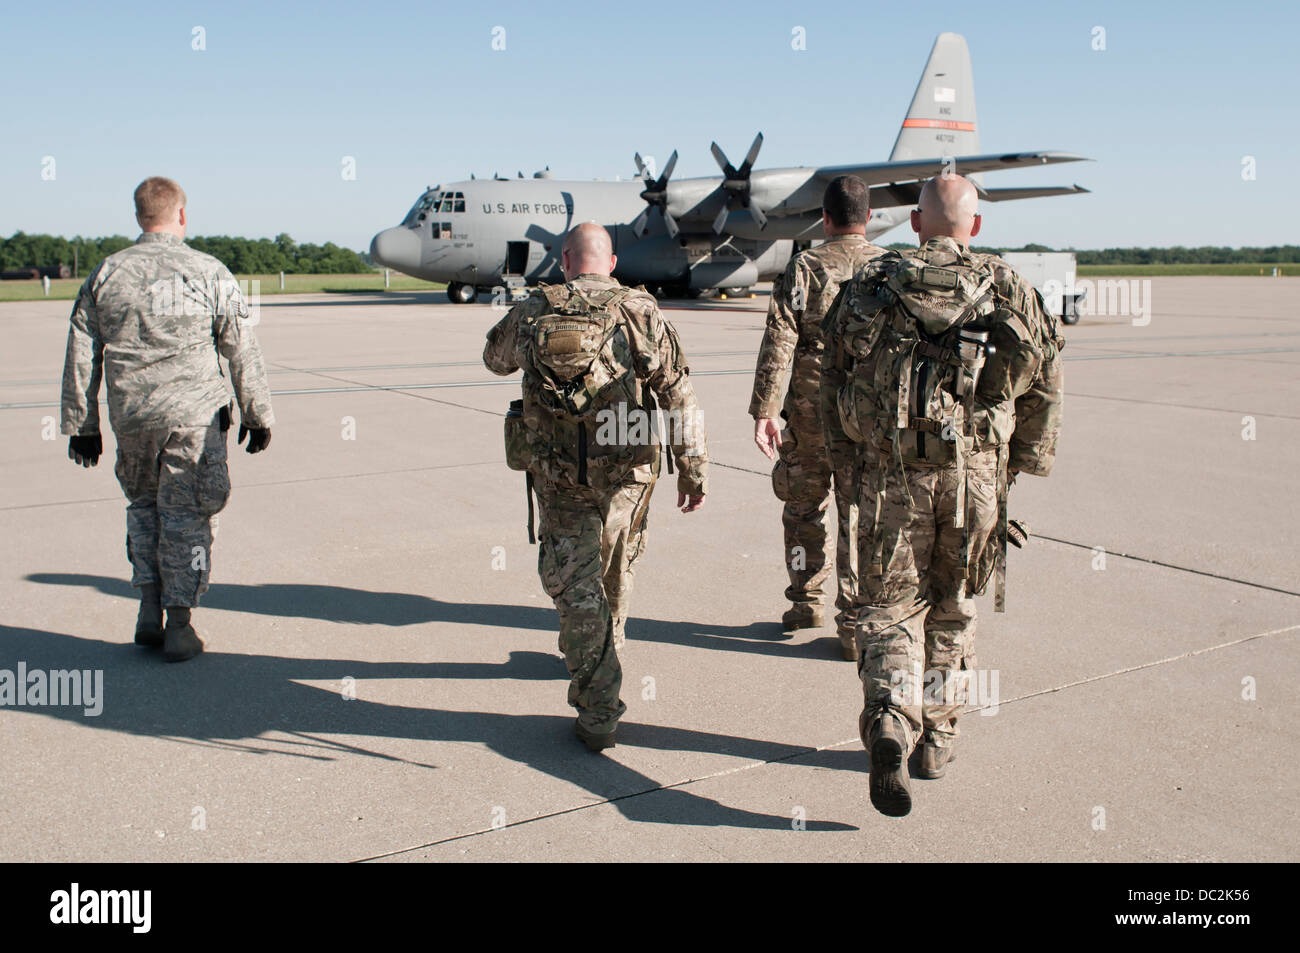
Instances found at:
x=640 y=166
x=720 y=222
x=751 y=156
x=640 y=224
x=759 y=217
x=721 y=158
x=670 y=224
x=668 y=169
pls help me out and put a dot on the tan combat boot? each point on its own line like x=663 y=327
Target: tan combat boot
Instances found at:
x=803 y=615
x=935 y=759
x=594 y=740
x=890 y=794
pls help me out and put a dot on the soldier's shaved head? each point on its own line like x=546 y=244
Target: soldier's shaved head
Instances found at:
x=948 y=206
x=587 y=251
x=158 y=204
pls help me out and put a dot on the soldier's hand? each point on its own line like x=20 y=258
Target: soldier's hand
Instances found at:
x=258 y=437
x=84 y=449
x=767 y=434
x=689 y=504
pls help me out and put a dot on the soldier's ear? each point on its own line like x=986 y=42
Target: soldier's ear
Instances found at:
x=182 y=215
x=613 y=261
x=916 y=220
x=975 y=227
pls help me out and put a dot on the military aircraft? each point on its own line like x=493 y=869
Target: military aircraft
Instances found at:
x=689 y=236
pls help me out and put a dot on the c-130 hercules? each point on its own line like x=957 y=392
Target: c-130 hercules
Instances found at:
x=691 y=235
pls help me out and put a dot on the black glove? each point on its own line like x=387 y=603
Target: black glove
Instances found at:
x=84 y=449
x=258 y=437
x=223 y=418
x=1017 y=533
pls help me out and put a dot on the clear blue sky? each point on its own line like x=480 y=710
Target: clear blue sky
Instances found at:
x=256 y=126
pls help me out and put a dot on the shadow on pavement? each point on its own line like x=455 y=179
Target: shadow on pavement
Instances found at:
x=363 y=607
x=257 y=704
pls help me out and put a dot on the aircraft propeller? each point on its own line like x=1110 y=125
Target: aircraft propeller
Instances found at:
x=736 y=184
x=655 y=194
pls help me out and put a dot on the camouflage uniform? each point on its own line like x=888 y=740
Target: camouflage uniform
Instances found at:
x=152 y=321
x=916 y=613
x=591 y=533
x=809 y=466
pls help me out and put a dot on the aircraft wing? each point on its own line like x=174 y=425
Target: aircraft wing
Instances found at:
x=912 y=170
x=1006 y=195
x=907 y=193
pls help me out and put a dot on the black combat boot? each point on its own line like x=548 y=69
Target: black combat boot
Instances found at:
x=180 y=641
x=149 y=623
x=594 y=740
x=889 y=791
x=935 y=759
x=803 y=615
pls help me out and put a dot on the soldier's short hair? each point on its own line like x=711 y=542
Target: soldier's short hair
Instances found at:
x=847 y=201
x=156 y=198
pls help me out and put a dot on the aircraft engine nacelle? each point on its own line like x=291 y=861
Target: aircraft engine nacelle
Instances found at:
x=723 y=273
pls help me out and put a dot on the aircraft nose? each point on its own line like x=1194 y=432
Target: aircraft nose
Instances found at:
x=397 y=248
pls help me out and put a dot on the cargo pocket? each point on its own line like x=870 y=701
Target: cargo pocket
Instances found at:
x=214 y=475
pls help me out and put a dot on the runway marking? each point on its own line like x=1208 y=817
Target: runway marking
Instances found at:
x=1165 y=403
x=814 y=750
x=1165 y=565
x=602 y=801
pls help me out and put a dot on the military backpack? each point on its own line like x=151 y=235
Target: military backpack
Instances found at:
x=585 y=418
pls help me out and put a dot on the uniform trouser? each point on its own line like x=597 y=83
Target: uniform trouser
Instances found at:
x=806 y=479
x=916 y=622
x=589 y=542
x=177 y=481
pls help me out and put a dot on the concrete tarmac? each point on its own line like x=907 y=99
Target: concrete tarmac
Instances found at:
x=382 y=680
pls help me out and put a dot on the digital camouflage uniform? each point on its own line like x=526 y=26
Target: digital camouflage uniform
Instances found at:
x=809 y=467
x=916 y=611
x=593 y=515
x=150 y=321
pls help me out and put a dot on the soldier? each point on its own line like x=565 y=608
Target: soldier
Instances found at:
x=810 y=466
x=949 y=373
x=595 y=356
x=151 y=320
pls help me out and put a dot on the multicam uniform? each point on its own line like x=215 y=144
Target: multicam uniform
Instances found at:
x=150 y=321
x=916 y=613
x=809 y=466
x=594 y=494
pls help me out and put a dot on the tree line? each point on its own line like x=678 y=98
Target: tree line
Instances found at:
x=1178 y=255
x=243 y=256
x=268 y=256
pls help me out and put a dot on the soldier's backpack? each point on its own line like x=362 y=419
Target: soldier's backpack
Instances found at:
x=913 y=342
x=586 y=418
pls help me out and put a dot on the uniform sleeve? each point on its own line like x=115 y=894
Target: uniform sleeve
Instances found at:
x=232 y=328
x=83 y=366
x=662 y=364
x=500 y=355
x=776 y=353
x=1038 y=407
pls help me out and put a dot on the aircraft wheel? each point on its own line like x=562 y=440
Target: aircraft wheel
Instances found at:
x=460 y=293
x=735 y=292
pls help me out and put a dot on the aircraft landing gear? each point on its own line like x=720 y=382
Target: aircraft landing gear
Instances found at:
x=461 y=293
x=735 y=292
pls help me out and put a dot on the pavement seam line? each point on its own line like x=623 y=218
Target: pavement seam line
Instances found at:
x=592 y=804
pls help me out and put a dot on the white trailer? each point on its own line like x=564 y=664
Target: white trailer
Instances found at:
x=1053 y=274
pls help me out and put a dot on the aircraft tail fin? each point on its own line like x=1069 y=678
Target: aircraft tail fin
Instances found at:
x=941 y=119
